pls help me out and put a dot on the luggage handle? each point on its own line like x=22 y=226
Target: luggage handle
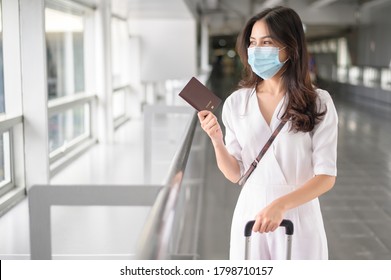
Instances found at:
x=285 y=223
x=288 y=231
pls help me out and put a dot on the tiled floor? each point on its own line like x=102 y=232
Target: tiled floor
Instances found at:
x=357 y=211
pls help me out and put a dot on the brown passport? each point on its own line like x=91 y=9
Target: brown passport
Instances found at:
x=199 y=96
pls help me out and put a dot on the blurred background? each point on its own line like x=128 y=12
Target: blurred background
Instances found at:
x=100 y=158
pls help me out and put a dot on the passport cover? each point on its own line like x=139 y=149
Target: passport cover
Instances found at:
x=199 y=96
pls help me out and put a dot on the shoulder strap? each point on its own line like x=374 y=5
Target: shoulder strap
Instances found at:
x=253 y=165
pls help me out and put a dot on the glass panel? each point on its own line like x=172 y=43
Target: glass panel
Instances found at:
x=2 y=102
x=316 y=48
x=69 y=126
x=386 y=79
x=65 y=53
x=342 y=74
x=324 y=46
x=371 y=77
x=333 y=45
x=5 y=160
x=343 y=55
x=2 y=175
x=355 y=75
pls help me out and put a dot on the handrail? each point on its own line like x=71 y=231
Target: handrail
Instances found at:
x=154 y=240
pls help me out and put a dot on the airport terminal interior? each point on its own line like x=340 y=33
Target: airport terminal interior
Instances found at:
x=101 y=159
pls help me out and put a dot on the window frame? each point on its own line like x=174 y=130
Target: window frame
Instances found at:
x=7 y=125
x=11 y=120
x=59 y=157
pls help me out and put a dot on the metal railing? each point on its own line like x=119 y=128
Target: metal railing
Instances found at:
x=155 y=238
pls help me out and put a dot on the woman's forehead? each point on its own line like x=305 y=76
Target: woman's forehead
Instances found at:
x=260 y=30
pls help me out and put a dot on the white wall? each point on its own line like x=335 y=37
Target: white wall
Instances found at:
x=167 y=48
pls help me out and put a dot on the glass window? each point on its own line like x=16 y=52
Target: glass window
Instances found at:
x=342 y=74
x=64 y=52
x=386 y=79
x=354 y=75
x=343 y=55
x=2 y=101
x=4 y=139
x=333 y=45
x=371 y=77
x=1 y=158
x=68 y=127
x=5 y=160
x=65 y=30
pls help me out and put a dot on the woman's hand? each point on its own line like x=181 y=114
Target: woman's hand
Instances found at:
x=269 y=218
x=211 y=126
x=227 y=163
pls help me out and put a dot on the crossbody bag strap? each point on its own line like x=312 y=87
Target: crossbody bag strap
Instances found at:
x=253 y=165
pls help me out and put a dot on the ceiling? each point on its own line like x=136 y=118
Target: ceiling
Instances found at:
x=158 y=9
x=321 y=18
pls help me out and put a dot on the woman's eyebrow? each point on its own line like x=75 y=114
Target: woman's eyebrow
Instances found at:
x=263 y=37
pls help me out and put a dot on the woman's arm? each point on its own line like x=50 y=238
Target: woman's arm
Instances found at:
x=269 y=218
x=227 y=163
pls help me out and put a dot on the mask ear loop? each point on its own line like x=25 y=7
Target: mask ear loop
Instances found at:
x=279 y=52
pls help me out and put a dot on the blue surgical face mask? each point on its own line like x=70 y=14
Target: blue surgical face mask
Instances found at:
x=264 y=61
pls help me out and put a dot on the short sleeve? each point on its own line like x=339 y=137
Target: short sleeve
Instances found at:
x=324 y=139
x=231 y=142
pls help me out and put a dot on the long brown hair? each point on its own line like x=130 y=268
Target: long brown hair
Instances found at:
x=285 y=27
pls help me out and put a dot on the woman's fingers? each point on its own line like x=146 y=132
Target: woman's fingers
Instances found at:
x=263 y=224
x=209 y=124
x=202 y=115
x=269 y=218
x=208 y=120
x=257 y=224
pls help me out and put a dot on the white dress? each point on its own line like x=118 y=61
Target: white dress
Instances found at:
x=292 y=160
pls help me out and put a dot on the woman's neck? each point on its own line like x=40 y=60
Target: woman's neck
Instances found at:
x=272 y=87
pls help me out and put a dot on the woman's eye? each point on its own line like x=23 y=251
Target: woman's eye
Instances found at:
x=267 y=43
x=253 y=43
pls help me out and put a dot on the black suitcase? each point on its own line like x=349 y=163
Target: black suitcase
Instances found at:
x=288 y=231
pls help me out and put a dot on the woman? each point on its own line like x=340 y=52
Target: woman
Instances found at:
x=300 y=165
